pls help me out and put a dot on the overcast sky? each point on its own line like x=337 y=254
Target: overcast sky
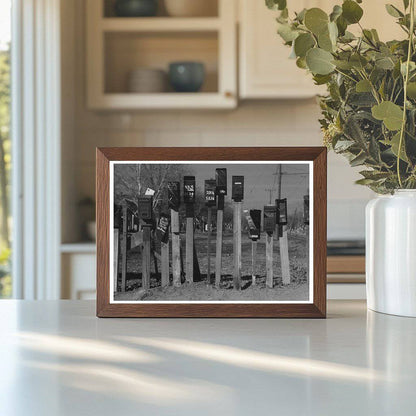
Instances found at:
x=258 y=178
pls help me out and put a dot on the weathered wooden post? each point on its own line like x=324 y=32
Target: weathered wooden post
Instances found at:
x=237 y=194
x=124 y=249
x=254 y=224
x=269 y=224
x=162 y=233
x=210 y=200
x=281 y=207
x=306 y=209
x=116 y=243
x=174 y=204
x=221 y=191
x=189 y=199
x=145 y=207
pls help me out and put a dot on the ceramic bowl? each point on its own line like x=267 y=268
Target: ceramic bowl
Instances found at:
x=186 y=76
x=135 y=8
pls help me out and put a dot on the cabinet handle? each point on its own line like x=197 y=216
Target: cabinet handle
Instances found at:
x=228 y=94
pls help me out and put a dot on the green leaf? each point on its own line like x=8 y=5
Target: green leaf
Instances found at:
x=316 y=20
x=385 y=63
x=406 y=4
x=358 y=160
x=393 y=11
x=276 y=4
x=286 y=32
x=391 y=114
x=411 y=90
x=363 y=86
x=321 y=79
x=319 y=61
x=394 y=145
x=336 y=12
x=301 y=63
x=303 y=43
x=351 y=11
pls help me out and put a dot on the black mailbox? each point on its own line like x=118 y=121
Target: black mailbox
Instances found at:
x=269 y=218
x=255 y=224
x=189 y=189
x=281 y=206
x=145 y=207
x=237 y=193
x=306 y=209
x=118 y=216
x=174 y=195
x=162 y=230
x=210 y=197
x=221 y=181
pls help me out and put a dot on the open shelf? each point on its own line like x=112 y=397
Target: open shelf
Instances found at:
x=116 y=46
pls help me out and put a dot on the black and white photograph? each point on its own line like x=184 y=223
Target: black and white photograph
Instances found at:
x=210 y=232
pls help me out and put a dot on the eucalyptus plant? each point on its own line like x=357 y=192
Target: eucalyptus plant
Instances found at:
x=369 y=112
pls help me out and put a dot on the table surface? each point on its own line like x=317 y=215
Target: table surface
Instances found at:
x=57 y=358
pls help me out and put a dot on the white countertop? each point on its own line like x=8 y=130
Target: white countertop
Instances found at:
x=57 y=359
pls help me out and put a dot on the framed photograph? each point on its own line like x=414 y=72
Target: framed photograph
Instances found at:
x=211 y=232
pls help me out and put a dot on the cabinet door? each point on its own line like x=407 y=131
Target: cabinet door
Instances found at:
x=265 y=68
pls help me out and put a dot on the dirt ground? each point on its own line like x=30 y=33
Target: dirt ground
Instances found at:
x=297 y=290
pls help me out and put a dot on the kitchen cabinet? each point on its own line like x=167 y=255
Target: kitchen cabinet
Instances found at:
x=265 y=70
x=118 y=45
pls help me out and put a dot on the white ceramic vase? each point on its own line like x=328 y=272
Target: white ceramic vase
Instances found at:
x=391 y=253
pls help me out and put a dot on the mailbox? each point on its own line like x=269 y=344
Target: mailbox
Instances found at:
x=174 y=195
x=118 y=216
x=162 y=230
x=306 y=209
x=145 y=208
x=237 y=193
x=221 y=181
x=254 y=223
x=281 y=206
x=210 y=197
x=269 y=218
x=189 y=189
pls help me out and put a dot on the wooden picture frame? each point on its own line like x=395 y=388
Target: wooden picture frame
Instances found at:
x=314 y=308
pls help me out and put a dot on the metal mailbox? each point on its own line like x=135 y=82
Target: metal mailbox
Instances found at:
x=306 y=209
x=221 y=181
x=145 y=204
x=174 y=195
x=269 y=218
x=189 y=189
x=210 y=197
x=162 y=229
x=254 y=224
x=281 y=206
x=237 y=193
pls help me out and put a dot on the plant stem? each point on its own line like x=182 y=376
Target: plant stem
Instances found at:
x=406 y=80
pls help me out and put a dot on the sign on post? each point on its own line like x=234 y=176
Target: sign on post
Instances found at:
x=210 y=201
x=269 y=225
x=221 y=191
x=189 y=199
x=237 y=194
x=253 y=218
x=174 y=201
x=281 y=205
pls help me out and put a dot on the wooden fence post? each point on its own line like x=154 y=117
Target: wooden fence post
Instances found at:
x=176 y=248
x=189 y=250
x=209 y=226
x=269 y=260
x=146 y=258
x=164 y=254
x=124 y=251
x=218 y=254
x=284 y=256
x=116 y=243
x=237 y=245
x=253 y=262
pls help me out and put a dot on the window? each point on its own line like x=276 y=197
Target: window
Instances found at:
x=5 y=147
